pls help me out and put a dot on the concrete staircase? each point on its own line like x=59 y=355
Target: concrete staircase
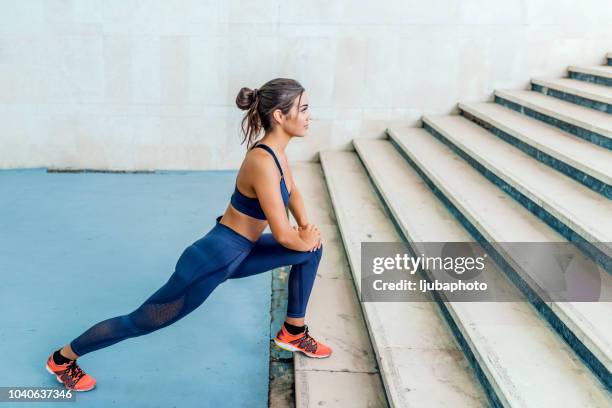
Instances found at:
x=532 y=166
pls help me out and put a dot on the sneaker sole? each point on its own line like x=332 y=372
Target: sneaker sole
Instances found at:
x=59 y=380
x=290 y=347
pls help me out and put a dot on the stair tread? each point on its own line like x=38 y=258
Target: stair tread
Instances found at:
x=487 y=208
x=509 y=339
x=579 y=153
x=585 y=211
x=417 y=353
x=599 y=70
x=585 y=89
x=584 y=117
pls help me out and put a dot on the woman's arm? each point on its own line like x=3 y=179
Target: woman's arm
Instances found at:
x=266 y=185
x=296 y=206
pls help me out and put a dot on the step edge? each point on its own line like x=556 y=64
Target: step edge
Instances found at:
x=573 y=91
x=572 y=120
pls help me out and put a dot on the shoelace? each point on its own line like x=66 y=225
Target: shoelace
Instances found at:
x=307 y=342
x=74 y=372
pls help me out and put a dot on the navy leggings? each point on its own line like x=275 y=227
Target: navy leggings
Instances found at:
x=219 y=255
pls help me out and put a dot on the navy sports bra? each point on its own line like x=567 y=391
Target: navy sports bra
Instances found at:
x=250 y=205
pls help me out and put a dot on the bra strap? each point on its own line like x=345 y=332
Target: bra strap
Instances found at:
x=266 y=147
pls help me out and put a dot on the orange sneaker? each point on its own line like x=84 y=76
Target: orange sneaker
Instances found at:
x=301 y=342
x=71 y=375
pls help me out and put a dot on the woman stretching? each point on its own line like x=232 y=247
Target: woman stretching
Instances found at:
x=236 y=246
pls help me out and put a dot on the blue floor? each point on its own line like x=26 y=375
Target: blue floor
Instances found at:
x=77 y=248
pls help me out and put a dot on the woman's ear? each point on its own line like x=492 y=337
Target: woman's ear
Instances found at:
x=278 y=116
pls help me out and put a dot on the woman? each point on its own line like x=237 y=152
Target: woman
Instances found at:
x=236 y=246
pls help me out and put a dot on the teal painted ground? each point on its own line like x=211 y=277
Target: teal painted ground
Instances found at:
x=79 y=248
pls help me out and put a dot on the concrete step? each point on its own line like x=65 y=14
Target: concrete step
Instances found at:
x=496 y=217
x=585 y=162
x=578 y=213
x=415 y=350
x=334 y=316
x=594 y=96
x=598 y=74
x=507 y=341
x=580 y=121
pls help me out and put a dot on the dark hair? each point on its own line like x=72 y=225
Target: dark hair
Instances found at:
x=259 y=103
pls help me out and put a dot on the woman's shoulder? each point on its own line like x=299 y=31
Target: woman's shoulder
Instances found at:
x=258 y=157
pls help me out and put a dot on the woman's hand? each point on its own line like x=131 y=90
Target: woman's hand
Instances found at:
x=310 y=233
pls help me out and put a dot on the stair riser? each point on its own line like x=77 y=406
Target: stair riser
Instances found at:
x=590 y=78
x=455 y=329
x=589 y=181
x=578 y=100
x=548 y=314
x=595 y=253
x=585 y=134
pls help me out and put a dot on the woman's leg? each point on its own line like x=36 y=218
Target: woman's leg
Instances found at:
x=268 y=254
x=199 y=271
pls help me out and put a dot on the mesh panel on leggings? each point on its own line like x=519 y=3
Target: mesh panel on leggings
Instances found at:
x=150 y=316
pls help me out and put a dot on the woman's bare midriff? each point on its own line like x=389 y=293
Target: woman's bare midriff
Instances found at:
x=243 y=224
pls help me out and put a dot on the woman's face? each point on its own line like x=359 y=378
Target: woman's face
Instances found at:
x=297 y=121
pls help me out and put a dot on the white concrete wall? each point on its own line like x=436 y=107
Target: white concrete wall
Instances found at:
x=150 y=84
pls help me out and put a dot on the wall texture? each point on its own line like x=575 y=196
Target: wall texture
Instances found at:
x=150 y=84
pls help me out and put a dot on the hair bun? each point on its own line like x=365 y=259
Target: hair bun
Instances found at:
x=246 y=97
